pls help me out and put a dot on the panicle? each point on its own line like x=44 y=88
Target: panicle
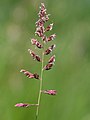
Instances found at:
x=42 y=11
x=43 y=17
x=40 y=32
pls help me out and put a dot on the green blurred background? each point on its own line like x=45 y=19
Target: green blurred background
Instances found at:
x=71 y=74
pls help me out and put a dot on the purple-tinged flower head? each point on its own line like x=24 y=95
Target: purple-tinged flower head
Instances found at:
x=35 y=57
x=42 y=13
x=49 y=92
x=30 y=75
x=49 y=50
x=40 y=23
x=35 y=42
x=25 y=105
x=43 y=17
x=41 y=30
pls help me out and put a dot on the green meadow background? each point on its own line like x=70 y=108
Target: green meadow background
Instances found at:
x=70 y=75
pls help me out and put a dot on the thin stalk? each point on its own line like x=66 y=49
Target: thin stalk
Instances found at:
x=39 y=96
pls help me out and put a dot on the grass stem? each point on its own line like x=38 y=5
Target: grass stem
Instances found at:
x=39 y=96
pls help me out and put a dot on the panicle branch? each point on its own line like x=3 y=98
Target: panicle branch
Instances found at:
x=25 y=105
x=49 y=50
x=30 y=75
x=49 y=92
x=50 y=63
x=35 y=57
x=37 y=43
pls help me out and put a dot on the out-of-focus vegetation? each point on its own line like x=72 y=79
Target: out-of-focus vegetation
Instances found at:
x=71 y=74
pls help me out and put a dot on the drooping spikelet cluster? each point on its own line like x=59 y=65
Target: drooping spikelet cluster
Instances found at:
x=40 y=32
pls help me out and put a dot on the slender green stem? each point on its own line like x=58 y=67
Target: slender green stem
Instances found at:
x=39 y=96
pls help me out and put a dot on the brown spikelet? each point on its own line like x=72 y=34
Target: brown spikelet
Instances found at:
x=37 y=43
x=49 y=92
x=48 y=66
x=49 y=50
x=50 y=38
x=35 y=57
x=30 y=75
x=52 y=59
x=49 y=27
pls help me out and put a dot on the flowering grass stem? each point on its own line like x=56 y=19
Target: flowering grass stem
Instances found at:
x=40 y=89
x=41 y=32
